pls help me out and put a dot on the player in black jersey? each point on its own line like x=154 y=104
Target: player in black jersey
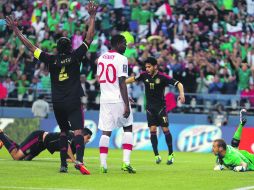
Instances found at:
x=39 y=141
x=64 y=68
x=155 y=84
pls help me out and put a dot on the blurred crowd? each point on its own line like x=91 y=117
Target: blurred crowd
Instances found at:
x=207 y=45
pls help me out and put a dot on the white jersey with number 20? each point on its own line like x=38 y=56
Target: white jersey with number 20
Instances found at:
x=111 y=65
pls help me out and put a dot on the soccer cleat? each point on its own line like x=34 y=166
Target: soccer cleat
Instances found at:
x=243 y=118
x=63 y=169
x=1 y=144
x=158 y=159
x=80 y=166
x=128 y=168
x=170 y=159
x=103 y=170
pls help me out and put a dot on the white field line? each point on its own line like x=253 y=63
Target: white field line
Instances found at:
x=245 y=188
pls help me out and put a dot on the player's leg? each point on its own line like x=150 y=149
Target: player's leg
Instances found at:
x=152 y=124
x=103 y=146
x=7 y=142
x=76 y=121
x=106 y=125
x=237 y=136
x=127 y=145
x=163 y=118
x=61 y=118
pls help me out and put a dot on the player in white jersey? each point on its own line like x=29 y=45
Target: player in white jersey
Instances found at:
x=112 y=70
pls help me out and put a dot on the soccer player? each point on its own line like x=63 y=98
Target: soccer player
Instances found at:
x=112 y=70
x=230 y=156
x=38 y=141
x=155 y=84
x=64 y=68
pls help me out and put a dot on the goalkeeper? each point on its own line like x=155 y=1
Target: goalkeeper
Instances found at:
x=230 y=156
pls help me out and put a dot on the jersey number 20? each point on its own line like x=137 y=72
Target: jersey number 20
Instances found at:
x=109 y=67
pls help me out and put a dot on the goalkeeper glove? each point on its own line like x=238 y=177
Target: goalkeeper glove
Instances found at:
x=219 y=167
x=239 y=169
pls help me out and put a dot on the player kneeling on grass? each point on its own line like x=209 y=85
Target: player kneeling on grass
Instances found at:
x=38 y=141
x=230 y=156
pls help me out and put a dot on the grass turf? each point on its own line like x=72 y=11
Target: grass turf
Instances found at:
x=190 y=171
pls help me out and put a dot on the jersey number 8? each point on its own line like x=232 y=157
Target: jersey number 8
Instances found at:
x=108 y=79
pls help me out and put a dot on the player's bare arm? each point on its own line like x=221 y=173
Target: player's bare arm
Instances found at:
x=130 y=80
x=124 y=93
x=92 y=9
x=12 y=24
x=71 y=155
x=181 y=96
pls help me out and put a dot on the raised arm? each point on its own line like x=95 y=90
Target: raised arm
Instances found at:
x=92 y=9
x=13 y=25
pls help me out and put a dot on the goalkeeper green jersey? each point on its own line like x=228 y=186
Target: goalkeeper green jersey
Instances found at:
x=234 y=157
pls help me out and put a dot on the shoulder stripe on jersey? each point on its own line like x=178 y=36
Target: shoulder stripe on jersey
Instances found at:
x=37 y=53
x=165 y=75
x=85 y=45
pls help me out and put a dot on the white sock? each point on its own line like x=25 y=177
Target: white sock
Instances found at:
x=127 y=146
x=103 y=145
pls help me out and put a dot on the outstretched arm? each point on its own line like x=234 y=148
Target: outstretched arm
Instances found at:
x=70 y=154
x=12 y=25
x=92 y=9
x=130 y=80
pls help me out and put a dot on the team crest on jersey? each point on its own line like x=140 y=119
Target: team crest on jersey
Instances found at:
x=147 y=80
x=157 y=81
x=125 y=68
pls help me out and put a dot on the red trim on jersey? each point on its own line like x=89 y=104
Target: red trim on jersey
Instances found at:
x=165 y=75
x=127 y=146
x=112 y=51
x=103 y=150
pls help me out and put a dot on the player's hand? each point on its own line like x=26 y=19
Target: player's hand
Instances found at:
x=11 y=22
x=126 y=111
x=131 y=100
x=218 y=167
x=239 y=169
x=181 y=98
x=92 y=8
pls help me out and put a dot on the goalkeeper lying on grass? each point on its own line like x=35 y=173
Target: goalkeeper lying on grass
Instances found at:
x=38 y=141
x=230 y=156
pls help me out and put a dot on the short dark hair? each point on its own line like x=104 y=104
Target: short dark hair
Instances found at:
x=117 y=39
x=87 y=131
x=221 y=143
x=151 y=60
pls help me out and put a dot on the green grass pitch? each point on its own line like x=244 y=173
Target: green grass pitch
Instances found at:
x=190 y=171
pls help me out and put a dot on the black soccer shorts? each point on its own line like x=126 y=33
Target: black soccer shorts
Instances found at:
x=33 y=144
x=69 y=116
x=157 y=116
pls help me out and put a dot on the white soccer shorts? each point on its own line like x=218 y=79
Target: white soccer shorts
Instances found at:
x=111 y=116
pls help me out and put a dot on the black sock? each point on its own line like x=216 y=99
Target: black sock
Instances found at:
x=154 y=141
x=8 y=143
x=63 y=144
x=168 y=138
x=79 y=143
